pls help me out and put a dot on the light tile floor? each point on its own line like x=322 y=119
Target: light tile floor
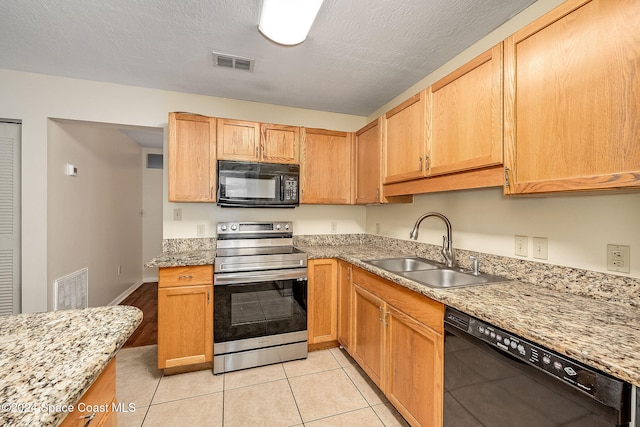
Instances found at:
x=326 y=389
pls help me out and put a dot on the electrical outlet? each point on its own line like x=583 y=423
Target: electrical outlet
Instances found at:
x=200 y=230
x=540 y=248
x=177 y=214
x=334 y=227
x=522 y=245
x=618 y=258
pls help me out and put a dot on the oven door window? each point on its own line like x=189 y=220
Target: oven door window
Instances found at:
x=259 y=309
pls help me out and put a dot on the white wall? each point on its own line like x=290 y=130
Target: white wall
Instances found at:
x=34 y=98
x=578 y=228
x=152 y=201
x=94 y=218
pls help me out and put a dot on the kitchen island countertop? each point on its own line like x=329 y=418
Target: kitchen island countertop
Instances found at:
x=49 y=360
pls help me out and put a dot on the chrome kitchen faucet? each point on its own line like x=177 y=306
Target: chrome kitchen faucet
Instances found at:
x=447 y=244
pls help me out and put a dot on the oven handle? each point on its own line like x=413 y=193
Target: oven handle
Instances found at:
x=259 y=276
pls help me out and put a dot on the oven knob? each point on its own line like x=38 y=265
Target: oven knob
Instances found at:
x=278 y=226
x=234 y=227
x=506 y=341
x=557 y=365
x=223 y=227
x=481 y=329
x=521 y=349
x=514 y=345
x=286 y=226
x=546 y=360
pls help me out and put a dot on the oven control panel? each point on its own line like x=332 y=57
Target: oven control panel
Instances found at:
x=254 y=228
x=586 y=379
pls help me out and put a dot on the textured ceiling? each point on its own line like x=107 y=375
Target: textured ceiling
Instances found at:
x=359 y=55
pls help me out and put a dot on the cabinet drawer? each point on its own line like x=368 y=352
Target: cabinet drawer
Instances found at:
x=97 y=401
x=185 y=276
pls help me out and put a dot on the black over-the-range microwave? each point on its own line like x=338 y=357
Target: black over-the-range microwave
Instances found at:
x=257 y=185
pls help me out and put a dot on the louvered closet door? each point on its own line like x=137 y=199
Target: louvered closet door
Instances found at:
x=9 y=218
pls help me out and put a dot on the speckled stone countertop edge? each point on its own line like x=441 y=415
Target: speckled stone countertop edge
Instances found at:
x=53 y=358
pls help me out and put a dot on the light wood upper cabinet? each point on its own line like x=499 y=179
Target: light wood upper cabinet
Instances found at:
x=258 y=142
x=368 y=164
x=192 y=158
x=238 y=140
x=325 y=167
x=322 y=308
x=572 y=96
x=405 y=140
x=185 y=316
x=464 y=123
x=279 y=143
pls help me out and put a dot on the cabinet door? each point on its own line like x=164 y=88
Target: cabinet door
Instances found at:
x=279 y=144
x=415 y=361
x=367 y=342
x=192 y=158
x=405 y=140
x=322 y=309
x=238 y=140
x=572 y=98
x=185 y=325
x=344 y=304
x=326 y=167
x=465 y=121
x=368 y=151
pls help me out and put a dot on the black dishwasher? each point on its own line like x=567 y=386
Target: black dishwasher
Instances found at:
x=494 y=378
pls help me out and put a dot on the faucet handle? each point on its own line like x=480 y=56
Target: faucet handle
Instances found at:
x=474 y=268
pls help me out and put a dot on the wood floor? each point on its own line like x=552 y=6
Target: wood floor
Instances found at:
x=146 y=299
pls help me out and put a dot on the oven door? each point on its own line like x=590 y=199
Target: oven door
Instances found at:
x=249 y=306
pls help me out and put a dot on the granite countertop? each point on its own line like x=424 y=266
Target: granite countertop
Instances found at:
x=599 y=333
x=49 y=360
x=557 y=307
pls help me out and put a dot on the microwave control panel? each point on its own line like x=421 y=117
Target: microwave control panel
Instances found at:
x=290 y=188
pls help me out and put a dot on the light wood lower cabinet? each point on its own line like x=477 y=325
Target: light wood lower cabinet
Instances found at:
x=95 y=407
x=344 y=304
x=322 y=301
x=185 y=316
x=398 y=340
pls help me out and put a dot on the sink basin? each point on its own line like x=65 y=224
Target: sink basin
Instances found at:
x=397 y=265
x=449 y=278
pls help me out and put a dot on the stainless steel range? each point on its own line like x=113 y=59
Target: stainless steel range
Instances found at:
x=260 y=296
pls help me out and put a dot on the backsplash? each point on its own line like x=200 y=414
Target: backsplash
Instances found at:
x=590 y=284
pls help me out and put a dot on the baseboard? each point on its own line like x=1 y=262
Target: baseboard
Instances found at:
x=126 y=293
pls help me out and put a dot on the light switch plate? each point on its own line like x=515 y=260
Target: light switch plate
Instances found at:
x=522 y=245
x=540 y=248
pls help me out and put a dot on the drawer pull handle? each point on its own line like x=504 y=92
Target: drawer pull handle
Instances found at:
x=89 y=418
x=185 y=276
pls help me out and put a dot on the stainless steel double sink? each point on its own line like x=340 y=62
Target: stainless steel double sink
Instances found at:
x=433 y=274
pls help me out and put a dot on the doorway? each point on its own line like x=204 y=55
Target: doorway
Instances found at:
x=10 y=243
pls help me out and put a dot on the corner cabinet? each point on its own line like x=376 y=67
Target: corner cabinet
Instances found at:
x=387 y=321
x=572 y=98
x=325 y=167
x=322 y=303
x=191 y=158
x=185 y=316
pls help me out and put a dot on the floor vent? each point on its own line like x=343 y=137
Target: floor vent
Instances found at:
x=71 y=291
x=231 y=61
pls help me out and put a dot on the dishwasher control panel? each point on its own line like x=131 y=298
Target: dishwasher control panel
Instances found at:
x=584 y=378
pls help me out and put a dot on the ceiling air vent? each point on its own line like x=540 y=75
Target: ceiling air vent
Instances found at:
x=231 y=61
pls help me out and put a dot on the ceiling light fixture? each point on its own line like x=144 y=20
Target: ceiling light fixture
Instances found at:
x=288 y=22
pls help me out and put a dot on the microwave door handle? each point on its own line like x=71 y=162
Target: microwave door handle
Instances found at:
x=281 y=188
